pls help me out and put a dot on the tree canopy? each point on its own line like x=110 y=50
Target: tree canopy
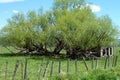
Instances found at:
x=69 y=26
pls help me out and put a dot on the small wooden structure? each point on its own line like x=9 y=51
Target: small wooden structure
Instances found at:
x=104 y=51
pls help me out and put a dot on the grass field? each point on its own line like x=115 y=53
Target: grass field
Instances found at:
x=111 y=73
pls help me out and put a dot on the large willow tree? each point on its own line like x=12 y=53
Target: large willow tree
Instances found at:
x=69 y=26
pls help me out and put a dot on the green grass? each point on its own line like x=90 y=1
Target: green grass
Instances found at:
x=35 y=61
x=91 y=75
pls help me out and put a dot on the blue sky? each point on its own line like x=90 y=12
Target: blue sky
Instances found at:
x=99 y=7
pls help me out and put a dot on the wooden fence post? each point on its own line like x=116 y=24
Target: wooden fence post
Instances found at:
x=47 y=64
x=116 y=58
x=15 y=70
x=76 y=66
x=68 y=65
x=6 y=70
x=25 y=69
x=22 y=72
x=40 y=69
x=52 y=66
x=92 y=62
x=113 y=61
x=85 y=64
x=59 y=69
x=96 y=63
x=106 y=61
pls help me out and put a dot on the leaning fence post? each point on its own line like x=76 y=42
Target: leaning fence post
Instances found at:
x=52 y=66
x=106 y=61
x=47 y=64
x=40 y=69
x=25 y=70
x=6 y=70
x=68 y=65
x=85 y=64
x=15 y=70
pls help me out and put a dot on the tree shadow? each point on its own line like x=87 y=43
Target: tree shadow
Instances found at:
x=11 y=55
x=37 y=56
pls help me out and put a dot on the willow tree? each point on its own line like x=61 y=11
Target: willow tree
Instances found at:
x=69 y=26
x=78 y=30
x=11 y=32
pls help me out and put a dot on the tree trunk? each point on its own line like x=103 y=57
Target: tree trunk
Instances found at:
x=68 y=51
x=58 y=48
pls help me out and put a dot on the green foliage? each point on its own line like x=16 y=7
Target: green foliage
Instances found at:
x=69 y=22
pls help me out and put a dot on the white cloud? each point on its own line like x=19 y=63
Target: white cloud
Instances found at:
x=94 y=8
x=15 y=11
x=9 y=1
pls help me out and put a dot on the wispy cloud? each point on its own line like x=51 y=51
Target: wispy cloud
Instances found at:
x=9 y=1
x=94 y=8
x=15 y=11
